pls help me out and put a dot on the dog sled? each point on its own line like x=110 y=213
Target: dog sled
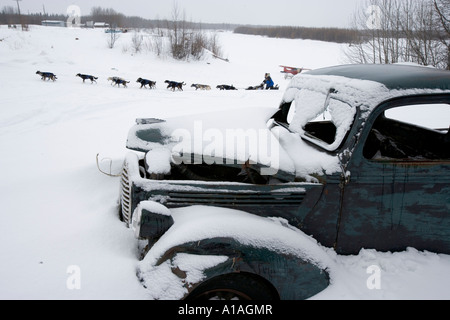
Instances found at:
x=261 y=87
x=258 y=87
x=113 y=31
x=290 y=72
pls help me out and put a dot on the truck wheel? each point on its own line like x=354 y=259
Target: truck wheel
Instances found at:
x=234 y=286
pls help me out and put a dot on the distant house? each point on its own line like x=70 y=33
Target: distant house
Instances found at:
x=53 y=23
x=101 y=25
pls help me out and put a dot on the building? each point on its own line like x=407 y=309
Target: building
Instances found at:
x=53 y=23
x=101 y=25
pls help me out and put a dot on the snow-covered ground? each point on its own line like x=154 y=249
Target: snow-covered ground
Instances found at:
x=60 y=237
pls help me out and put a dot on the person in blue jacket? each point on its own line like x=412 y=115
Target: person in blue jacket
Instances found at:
x=268 y=81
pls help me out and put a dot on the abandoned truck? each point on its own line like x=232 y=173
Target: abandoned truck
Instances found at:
x=356 y=156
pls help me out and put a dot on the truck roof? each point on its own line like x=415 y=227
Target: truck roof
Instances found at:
x=394 y=76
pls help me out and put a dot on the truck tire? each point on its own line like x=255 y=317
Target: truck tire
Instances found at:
x=234 y=286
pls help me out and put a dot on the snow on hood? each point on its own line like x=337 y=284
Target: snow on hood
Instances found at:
x=215 y=138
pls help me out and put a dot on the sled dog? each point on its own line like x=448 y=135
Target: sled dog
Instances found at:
x=47 y=75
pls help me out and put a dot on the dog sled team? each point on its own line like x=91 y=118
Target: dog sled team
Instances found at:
x=267 y=84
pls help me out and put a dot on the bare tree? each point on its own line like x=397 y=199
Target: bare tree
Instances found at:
x=178 y=34
x=213 y=45
x=136 y=41
x=380 y=36
x=442 y=8
x=401 y=31
x=197 y=44
x=112 y=37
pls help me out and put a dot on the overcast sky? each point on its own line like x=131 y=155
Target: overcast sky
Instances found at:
x=308 y=13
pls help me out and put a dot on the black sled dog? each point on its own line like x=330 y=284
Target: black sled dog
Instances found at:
x=144 y=83
x=175 y=85
x=225 y=87
x=47 y=75
x=87 y=77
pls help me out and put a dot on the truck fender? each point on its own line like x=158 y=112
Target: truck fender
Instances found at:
x=275 y=275
x=226 y=259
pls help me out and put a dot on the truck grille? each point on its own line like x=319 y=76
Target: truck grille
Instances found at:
x=125 y=194
x=228 y=199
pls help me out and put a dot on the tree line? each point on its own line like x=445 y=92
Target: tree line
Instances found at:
x=321 y=34
x=9 y=16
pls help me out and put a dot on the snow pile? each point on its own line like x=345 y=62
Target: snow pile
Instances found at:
x=164 y=284
x=158 y=161
x=310 y=104
x=356 y=92
x=308 y=160
x=410 y=275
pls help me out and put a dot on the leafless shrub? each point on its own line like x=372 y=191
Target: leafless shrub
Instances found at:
x=188 y=43
x=112 y=38
x=136 y=41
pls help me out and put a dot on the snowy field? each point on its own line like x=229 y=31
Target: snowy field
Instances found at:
x=59 y=213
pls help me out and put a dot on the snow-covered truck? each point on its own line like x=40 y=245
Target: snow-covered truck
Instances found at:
x=248 y=205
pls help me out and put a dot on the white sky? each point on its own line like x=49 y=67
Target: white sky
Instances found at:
x=308 y=13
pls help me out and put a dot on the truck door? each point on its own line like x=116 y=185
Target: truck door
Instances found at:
x=398 y=194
